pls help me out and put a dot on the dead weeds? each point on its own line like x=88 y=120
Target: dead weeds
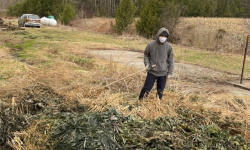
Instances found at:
x=71 y=85
x=8 y=26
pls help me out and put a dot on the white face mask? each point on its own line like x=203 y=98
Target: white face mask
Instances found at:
x=162 y=39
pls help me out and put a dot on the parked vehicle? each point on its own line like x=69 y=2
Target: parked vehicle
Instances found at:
x=29 y=20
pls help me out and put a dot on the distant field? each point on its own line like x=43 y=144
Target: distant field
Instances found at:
x=214 y=34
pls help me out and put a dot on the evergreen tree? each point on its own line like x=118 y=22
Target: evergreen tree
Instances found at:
x=210 y=9
x=246 y=8
x=64 y=11
x=124 y=15
x=193 y=7
x=237 y=9
x=16 y=10
x=157 y=14
x=149 y=21
x=139 y=5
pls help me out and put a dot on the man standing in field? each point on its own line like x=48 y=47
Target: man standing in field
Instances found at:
x=159 y=62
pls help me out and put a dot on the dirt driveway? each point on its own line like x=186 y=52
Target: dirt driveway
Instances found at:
x=201 y=77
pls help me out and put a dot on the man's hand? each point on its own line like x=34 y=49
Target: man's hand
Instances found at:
x=169 y=76
x=148 y=68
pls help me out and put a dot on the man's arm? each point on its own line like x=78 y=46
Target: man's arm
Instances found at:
x=146 y=56
x=170 y=62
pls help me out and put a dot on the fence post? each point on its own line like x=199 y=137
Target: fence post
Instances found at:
x=244 y=60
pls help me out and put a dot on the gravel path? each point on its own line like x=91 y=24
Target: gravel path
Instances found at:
x=182 y=71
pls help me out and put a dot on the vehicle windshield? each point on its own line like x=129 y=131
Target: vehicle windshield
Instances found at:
x=33 y=17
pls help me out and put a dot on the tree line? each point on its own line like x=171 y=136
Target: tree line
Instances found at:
x=188 y=8
x=106 y=8
x=152 y=14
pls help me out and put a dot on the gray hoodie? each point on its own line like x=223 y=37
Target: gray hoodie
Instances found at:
x=161 y=55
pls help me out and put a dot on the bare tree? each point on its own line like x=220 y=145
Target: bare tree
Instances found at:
x=3 y=6
x=99 y=8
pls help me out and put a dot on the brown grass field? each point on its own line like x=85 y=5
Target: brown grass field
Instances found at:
x=55 y=70
x=213 y=34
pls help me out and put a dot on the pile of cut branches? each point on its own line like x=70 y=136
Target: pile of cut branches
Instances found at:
x=8 y=26
x=111 y=130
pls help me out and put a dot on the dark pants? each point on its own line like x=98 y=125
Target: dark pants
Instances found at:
x=149 y=83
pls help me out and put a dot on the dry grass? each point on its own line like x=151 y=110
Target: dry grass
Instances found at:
x=215 y=34
x=86 y=84
x=10 y=69
x=99 y=25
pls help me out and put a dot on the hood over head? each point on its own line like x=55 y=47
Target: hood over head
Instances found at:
x=162 y=31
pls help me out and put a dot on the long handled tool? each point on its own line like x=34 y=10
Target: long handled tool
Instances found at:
x=127 y=76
